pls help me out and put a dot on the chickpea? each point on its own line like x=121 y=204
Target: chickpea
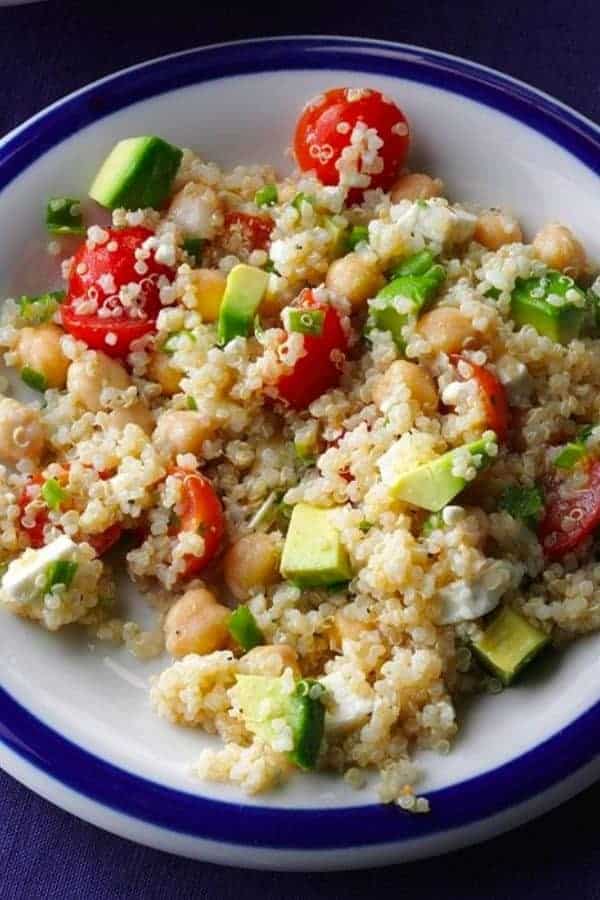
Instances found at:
x=251 y=563
x=39 y=348
x=446 y=329
x=196 y=210
x=347 y=629
x=136 y=414
x=196 y=623
x=90 y=374
x=557 y=246
x=272 y=659
x=181 y=431
x=416 y=186
x=417 y=379
x=354 y=276
x=162 y=370
x=22 y=432
x=495 y=228
x=209 y=287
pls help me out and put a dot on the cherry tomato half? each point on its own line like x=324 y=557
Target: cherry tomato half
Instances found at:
x=202 y=513
x=570 y=518
x=319 y=369
x=97 y=275
x=251 y=232
x=493 y=395
x=326 y=127
x=31 y=492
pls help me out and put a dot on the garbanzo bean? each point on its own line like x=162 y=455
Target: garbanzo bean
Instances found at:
x=251 y=563
x=22 y=432
x=557 y=246
x=196 y=623
x=272 y=659
x=417 y=379
x=90 y=374
x=416 y=186
x=39 y=348
x=446 y=329
x=356 y=277
x=136 y=414
x=347 y=629
x=162 y=370
x=495 y=228
x=181 y=431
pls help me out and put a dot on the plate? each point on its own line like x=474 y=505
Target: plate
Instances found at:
x=75 y=721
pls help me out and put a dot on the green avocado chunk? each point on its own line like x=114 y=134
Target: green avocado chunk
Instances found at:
x=281 y=712
x=313 y=554
x=432 y=485
x=137 y=173
x=508 y=644
x=530 y=305
x=418 y=288
x=244 y=290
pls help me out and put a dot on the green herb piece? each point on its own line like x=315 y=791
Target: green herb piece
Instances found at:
x=37 y=310
x=53 y=494
x=266 y=196
x=193 y=247
x=433 y=522
x=574 y=451
x=33 y=379
x=358 y=234
x=191 y=403
x=269 y=267
x=417 y=264
x=62 y=571
x=301 y=198
x=63 y=216
x=365 y=526
x=492 y=292
x=171 y=344
x=243 y=628
x=306 y=321
x=524 y=503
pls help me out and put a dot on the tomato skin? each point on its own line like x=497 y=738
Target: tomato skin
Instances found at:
x=318 y=144
x=494 y=397
x=94 y=266
x=255 y=231
x=315 y=372
x=103 y=542
x=35 y=534
x=555 y=539
x=201 y=509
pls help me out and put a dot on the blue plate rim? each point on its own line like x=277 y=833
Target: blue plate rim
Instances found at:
x=476 y=799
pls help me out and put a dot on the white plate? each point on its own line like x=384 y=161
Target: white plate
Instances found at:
x=75 y=722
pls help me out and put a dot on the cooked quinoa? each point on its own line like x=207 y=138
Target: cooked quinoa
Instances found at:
x=186 y=456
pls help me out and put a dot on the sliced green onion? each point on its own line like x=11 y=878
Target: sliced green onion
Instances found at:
x=301 y=198
x=191 y=403
x=569 y=456
x=62 y=571
x=358 y=234
x=525 y=503
x=269 y=267
x=34 y=379
x=53 y=494
x=433 y=522
x=267 y=195
x=243 y=628
x=417 y=264
x=365 y=526
x=37 y=310
x=492 y=292
x=63 y=216
x=306 y=321
x=171 y=344
x=193 y=247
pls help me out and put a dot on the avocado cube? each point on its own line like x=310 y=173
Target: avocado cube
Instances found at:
x=244 y=289
x=418 y=288
x=508 y=644
x=137 y=173
x=313 y=554
x=530 y=306
x=433 y=485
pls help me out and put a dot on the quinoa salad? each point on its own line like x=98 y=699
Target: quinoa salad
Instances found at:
x=341 y=430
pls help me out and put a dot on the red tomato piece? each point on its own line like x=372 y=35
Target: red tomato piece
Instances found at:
x=569 y=520
x=105 y=540
x=319 y=369
x=325 y=128
x=202 y=513
x=494 y=398
x=97 y=275
x=254 y=232
x=29 y=493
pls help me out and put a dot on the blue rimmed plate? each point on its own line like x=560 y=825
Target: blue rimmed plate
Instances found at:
x=75 y=723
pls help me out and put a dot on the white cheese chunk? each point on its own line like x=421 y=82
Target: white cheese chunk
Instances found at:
x=25 y=576
x=462 y=601
x=349 y=701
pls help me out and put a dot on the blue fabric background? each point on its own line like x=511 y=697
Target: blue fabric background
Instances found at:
x=48 y=49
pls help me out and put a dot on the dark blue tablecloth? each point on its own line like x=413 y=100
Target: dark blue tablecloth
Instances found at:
x=48 y=49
